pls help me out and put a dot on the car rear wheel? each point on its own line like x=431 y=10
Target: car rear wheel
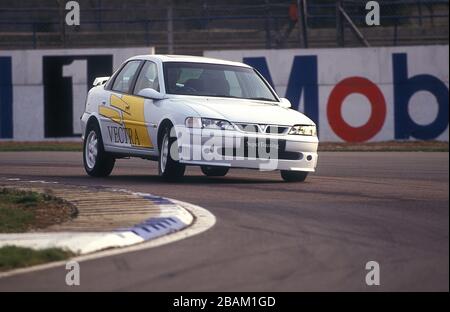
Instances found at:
x=294 y=176
x=169 y=168
x=97 y=162
x=214 y=171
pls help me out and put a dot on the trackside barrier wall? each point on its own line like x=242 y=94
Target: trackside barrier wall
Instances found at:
x=43 y=92
x=361 y=94
x=353 y=94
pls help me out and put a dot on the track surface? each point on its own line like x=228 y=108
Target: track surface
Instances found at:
x=275 y=236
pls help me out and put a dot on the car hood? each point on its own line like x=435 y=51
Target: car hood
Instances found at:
x=248 y=111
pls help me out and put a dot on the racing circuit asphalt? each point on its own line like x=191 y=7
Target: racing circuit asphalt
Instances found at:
x=274 y=236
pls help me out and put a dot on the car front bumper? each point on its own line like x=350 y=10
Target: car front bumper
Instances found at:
x=248 y=150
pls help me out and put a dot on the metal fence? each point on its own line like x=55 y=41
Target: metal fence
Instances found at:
x=167 y=23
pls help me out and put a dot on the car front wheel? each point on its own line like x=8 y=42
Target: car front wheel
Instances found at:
x=97 y=162
x=294 y=176
x=169 y=168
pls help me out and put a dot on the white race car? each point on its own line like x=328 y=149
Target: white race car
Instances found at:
x=185 y=110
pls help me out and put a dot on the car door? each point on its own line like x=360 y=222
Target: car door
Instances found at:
x=148 y=78
x=124 y=121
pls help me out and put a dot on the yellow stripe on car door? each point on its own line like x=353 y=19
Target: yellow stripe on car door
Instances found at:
x=135 y=120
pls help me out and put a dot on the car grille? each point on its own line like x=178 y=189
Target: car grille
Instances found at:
x=260 y=128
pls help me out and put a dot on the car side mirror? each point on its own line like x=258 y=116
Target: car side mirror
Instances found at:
x=151 y=94
x=285 y=103
x=100 y=81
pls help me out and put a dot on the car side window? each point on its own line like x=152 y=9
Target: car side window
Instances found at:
x=148 y=78
x=124 y=79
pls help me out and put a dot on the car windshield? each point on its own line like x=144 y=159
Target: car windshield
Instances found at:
x=215 y=80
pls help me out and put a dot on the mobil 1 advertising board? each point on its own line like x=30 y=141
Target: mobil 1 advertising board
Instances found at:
x=361 y=94
x=43 y=92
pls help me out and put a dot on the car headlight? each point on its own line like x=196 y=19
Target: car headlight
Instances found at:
x=303 y=130
x=208 y=123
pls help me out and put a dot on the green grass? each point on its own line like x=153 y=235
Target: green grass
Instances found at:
x=389 y=146
x=12 y=257
x=14 y=220
x=41 y=147
x=21 y=211
x=16 y=210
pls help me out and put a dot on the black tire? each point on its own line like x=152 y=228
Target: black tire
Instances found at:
x=214 y=171
x=294 y=176
x=103 y=163
x=168 y=168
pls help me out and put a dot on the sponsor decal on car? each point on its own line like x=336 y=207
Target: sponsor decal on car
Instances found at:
x=128 y=112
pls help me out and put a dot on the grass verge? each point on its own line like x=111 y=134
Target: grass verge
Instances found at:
x=389 y=146
x=41 y=146
x=12 y=257
x=21 y=211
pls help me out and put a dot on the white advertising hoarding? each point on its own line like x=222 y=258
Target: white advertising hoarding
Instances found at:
x=361 y=94
x=43 y=92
